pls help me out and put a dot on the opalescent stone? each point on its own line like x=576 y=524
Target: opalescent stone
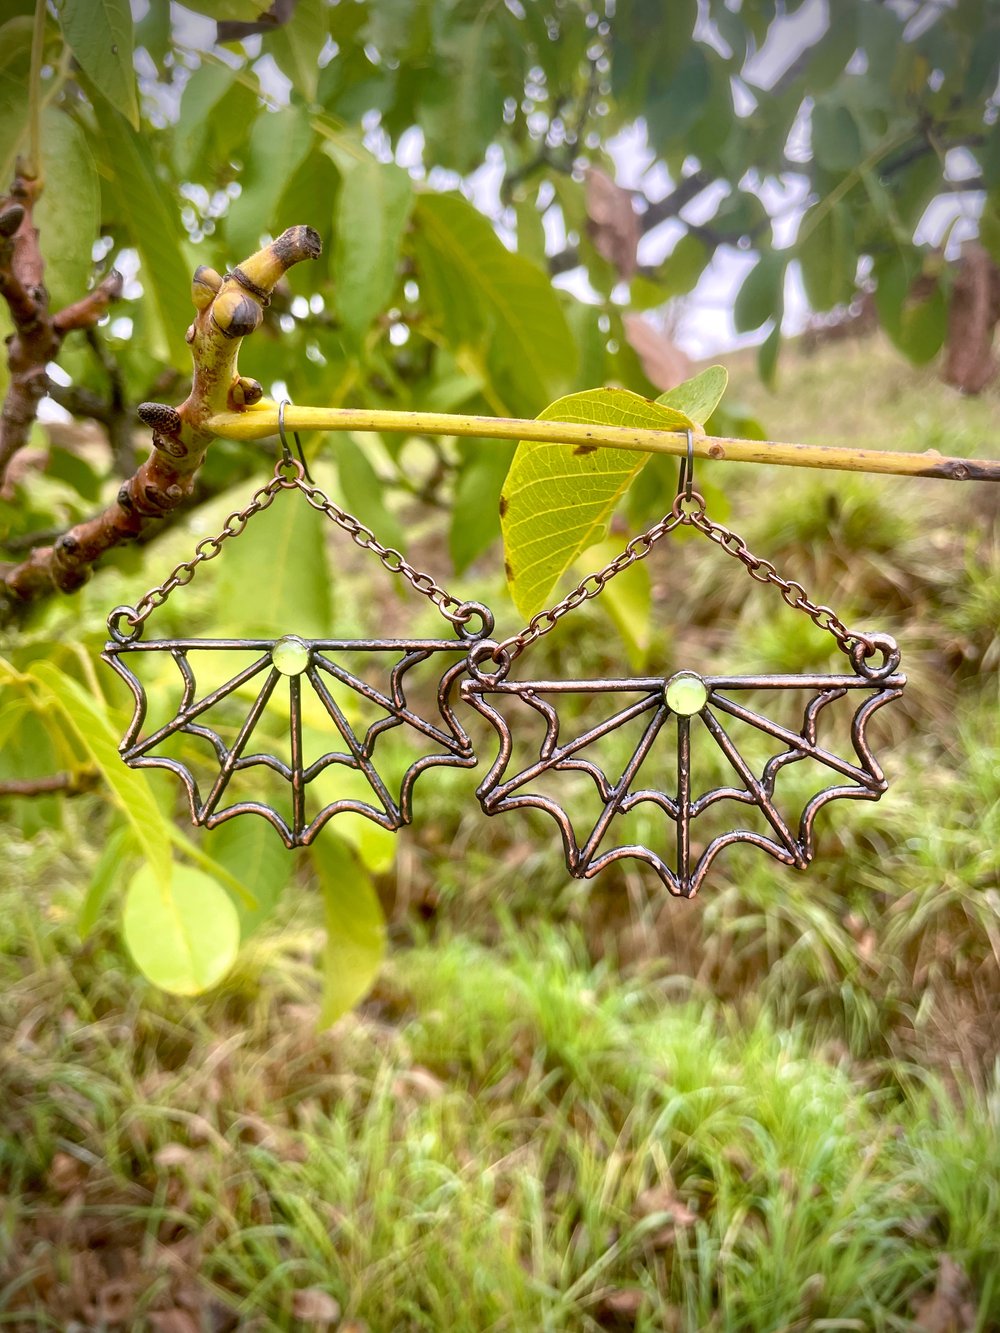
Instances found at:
x=686 y=693
x=290 y=655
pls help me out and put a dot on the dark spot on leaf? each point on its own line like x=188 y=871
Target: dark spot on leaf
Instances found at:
x=508 y=571
x=503 y=505
x=585 y=449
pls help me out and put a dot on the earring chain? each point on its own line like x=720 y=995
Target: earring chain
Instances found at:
x=688 y=511
x=288 y=475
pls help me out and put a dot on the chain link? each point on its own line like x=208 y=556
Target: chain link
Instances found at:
x=289 y=475
x=688 y=511
x=591 y=586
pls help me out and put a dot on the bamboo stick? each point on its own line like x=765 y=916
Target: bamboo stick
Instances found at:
x=261 y=420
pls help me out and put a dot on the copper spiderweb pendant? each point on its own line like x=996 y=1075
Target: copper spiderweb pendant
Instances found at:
x=334 y=677
x=714 y=741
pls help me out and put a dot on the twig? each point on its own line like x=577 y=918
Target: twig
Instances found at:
x=229 y=308
x=262 y=420
x=37 y=335
x=69 y=784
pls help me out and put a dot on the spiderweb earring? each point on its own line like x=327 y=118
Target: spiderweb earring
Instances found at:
x=211 y=729
x=751 y=746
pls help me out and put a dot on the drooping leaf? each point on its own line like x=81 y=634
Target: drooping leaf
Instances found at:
x=475 y=514
x=826 y=254
x=68 y=214
x=99 y=33
x=150 y=216
x=372 y=210
x=557 y=500
x=88 y=720
x=249 y=851
x=118 y=845
x=277 y=582
x=15 y=56
x=297 y=44
x=355 y=926
x=684 y=266
x=183 y=935
x=364 y=492
x=278 y=142
x=761 y=296
x=628 y=603
x=699 y=396
x=481 y=293
x=836 y=141
x=462 y=105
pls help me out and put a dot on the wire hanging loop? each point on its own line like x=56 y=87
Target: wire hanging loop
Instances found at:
x=287 y=463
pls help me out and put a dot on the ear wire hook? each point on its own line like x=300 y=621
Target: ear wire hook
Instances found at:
x=685 y=474
x=285 y=450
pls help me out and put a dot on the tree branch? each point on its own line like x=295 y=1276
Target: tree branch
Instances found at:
x=655 y=213
x=68 y=784
x=229 y=308
x=37 y=335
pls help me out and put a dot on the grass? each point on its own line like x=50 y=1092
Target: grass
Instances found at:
x=573 y=1106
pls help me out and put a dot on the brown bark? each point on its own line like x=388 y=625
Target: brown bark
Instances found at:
x=229 y=308
x=66 y=784
x=972 y=320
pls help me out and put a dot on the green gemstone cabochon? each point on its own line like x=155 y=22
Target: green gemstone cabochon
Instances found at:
x=290 y=655
x=686 y=693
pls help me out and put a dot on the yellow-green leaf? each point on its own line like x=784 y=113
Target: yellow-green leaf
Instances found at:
x=183 y=935
x=355 y=926
x=700 y=396
x=129 y=787
x=68 y=215
x=557 y=500
x=99 y=33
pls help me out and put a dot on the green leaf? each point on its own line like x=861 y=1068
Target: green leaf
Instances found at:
x=827 y=256
x=201 y=107
x=117 y=846
x=15 y=44
x=373 y=206
x=462 y=105
x=475 y=513
x=278 y=142
x=923 y=325
x=355 y=927
x=277 y=581
x=684 y=266
x=699 y=396
x=767 y=357
x=297 y=44
x=248 y=850
x=629 y=604
x=68 y=214
x=364 y=492
x=480 y=292
x=762 y=296
x=558 y=500
x=99 y=33
x=836 y=140
x=674 y=111
x=88 y=719
x=183 y=935
x=147 y=211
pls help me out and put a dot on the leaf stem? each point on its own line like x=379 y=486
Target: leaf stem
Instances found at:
x=260 y=421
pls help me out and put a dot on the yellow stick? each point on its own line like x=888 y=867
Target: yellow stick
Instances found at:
x=262 y=420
